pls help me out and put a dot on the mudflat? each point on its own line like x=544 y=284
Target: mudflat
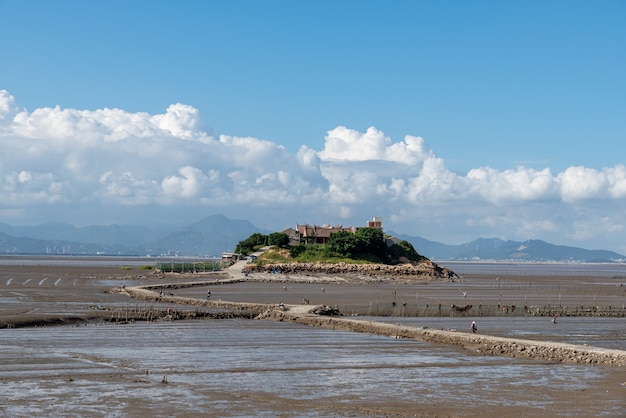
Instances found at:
x=40 y=294
x=36 y=296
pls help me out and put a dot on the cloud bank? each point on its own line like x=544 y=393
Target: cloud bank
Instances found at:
x=110 y=165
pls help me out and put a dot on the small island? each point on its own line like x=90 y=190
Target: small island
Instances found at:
x=364 y=253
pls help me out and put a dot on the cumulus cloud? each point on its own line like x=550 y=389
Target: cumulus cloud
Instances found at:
x=512 y=186
x=584 y=183
x=579 y=183
x=343 y=144
x=55 y=156
x=616 y=177
x=179 y=120
x=8 y=107
x=138 y=158
x=187 y=185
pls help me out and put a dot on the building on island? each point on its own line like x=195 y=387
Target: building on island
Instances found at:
x=320 y=234
x=230 y=257
x=376 y=222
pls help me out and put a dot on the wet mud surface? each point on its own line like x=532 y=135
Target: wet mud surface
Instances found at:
x=263 y=368
x=237 y=367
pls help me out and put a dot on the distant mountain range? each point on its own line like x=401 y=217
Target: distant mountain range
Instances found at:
x=216 y=233
x=494 y=249
x=207 y=237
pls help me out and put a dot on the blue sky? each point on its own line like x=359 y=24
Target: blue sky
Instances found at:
x=291 y=111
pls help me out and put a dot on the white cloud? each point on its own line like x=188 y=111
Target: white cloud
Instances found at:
x=32 y=188
x=595 y=226
x=180 y=120
x=80 y=158
x=343 y=144
x=124 y=188
x=24 y=177
x=8 y=108
x=412 y=151
x=307 y=159
x=579 y=183
x=616 y=177
x=512 y=186
x=187 y=185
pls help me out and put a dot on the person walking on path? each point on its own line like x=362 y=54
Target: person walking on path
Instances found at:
x=473 y=327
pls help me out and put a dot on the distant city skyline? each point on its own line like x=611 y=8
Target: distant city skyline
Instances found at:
x=450 y=120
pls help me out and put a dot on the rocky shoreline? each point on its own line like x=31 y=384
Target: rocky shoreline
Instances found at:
x=426 y=270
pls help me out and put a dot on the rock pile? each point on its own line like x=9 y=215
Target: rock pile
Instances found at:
x=424 y=270
x=325 y=310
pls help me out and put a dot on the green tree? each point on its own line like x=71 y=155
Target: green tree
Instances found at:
x=296 y=250
x=371 y=241
x=279 y=239
x=343 y=244
x=252 y=243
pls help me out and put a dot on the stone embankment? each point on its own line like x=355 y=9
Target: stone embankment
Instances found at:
x=323 y=316
x=151 y=293
x=424 y=271
x=479 y=344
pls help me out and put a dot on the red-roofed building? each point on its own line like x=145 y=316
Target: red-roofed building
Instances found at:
x=319 y=234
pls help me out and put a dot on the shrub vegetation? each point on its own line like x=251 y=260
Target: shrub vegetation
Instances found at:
x=366 y=245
